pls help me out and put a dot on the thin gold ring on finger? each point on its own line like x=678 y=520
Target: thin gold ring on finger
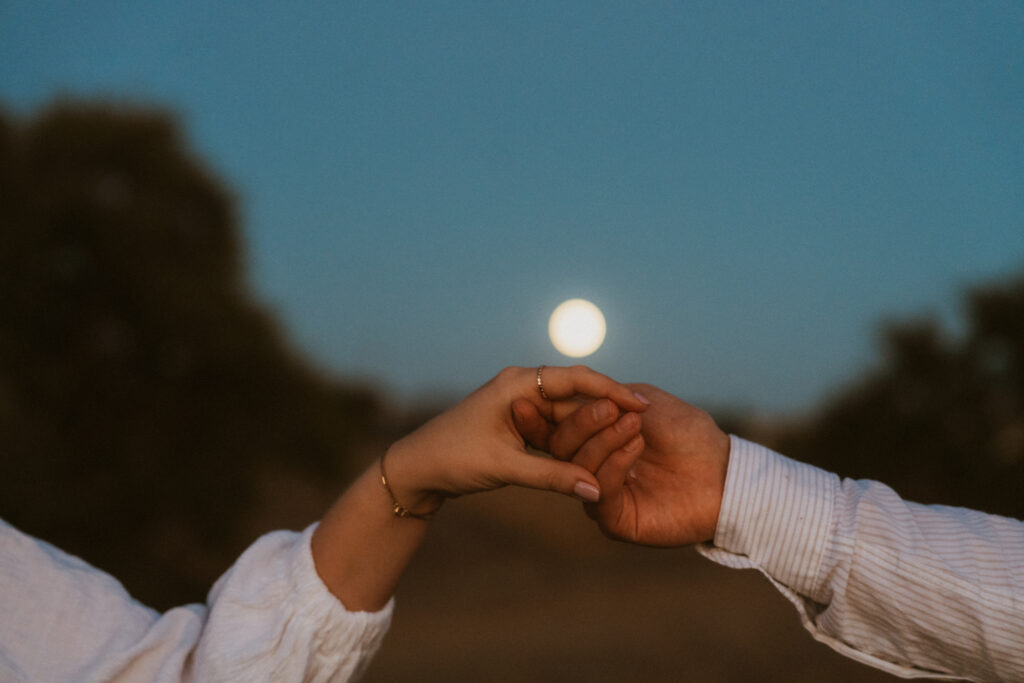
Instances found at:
x=540 y=383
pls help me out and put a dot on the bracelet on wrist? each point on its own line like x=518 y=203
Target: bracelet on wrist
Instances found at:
x=399 y=509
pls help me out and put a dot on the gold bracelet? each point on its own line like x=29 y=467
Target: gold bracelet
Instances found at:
x=399 y=509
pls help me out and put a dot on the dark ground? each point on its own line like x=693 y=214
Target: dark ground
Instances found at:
x=519 y=586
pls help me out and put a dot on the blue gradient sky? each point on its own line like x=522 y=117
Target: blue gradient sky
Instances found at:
x=745 y=189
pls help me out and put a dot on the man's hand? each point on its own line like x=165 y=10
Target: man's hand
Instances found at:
x=664 y=489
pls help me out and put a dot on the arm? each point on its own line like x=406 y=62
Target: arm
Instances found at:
x=913 y=590
x=310 y=606
x=361 y=548
x=269 y=617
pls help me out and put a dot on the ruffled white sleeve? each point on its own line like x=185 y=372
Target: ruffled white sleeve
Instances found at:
x=269 y=618
x=911 y=589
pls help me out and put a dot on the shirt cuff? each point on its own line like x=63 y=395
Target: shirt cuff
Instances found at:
x=364 y=630
x=777 y=516
x=273 y=618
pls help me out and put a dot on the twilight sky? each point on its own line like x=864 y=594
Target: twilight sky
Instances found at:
x=746 y=189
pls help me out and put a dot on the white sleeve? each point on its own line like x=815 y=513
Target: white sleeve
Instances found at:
x=269 y=618
x=910 y=589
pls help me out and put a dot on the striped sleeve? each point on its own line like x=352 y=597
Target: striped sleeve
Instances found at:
x=910 y=589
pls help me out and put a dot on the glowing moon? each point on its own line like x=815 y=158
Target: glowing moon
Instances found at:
x=577 y=328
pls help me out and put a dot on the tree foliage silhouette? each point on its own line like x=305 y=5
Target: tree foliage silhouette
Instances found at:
x=140 y=384
x=941 y=419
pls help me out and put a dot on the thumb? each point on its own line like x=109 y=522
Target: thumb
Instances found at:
x=553 y=475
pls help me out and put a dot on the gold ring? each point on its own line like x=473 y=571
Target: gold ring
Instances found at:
x=540 y=384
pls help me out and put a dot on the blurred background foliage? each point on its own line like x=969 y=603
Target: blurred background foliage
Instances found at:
x=144 y=392
x=141 y=385
x=941 y=418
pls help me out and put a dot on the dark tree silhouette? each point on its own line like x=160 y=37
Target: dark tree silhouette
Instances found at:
x=941 y=419
x=140 y=384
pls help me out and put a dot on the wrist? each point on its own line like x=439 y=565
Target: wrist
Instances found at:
x=722 y=450
x=403 y=477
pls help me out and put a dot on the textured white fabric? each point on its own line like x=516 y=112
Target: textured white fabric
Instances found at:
x=911 y=589
x=268 y=618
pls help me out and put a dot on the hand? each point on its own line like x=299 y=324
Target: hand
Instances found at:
x=664 y=489
x=475 y=445
x=361 y=548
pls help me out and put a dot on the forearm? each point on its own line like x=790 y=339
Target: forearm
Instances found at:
x=937 y=587
x=902 y=587
x=361 y=548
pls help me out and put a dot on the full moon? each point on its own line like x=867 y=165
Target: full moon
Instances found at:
x=577 y=328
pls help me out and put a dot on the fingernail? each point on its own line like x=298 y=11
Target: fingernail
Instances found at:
x=587 y=492
x=628 y=422
x=643 y=399
x=602 y=410
x=634 y=444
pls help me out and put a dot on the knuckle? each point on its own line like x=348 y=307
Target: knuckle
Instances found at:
x=507 y=371
x=508 y=374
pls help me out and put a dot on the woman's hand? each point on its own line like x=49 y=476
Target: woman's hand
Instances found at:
x=475 y=445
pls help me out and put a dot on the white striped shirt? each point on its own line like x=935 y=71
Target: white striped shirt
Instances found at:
x=911 y=589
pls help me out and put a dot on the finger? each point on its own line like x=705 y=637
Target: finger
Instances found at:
x=583 y=423
x=552 y=475
x=530 y=424
x=563 y=383
x=559 y=410
x=599 y=448
x=611 y=476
